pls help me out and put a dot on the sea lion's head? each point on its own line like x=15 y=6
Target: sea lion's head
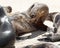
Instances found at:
x=38 y=12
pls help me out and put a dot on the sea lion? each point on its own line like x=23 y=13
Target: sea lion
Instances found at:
x=30 y=20
x=55 y=35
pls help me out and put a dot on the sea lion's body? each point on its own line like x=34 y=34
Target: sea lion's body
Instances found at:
x=21 y=24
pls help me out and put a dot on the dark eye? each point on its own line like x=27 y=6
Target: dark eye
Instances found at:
x=32 y=16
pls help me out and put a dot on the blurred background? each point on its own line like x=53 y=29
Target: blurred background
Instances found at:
x=22 y=5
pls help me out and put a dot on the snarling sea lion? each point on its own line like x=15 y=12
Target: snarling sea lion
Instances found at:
x=7 y=33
